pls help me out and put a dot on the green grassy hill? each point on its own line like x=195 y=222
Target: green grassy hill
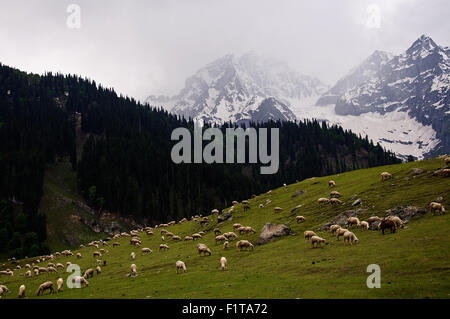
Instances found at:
x=414 y=261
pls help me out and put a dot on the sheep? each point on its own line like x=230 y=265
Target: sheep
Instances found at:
x=340 y=232
x=79 y=255
x=180 y=265
x=188 y=238
x=115 y=244
x=220 y=238
x=4 y=288
x=146 y=250
x=36 y=272
x=202 y=248
x=352 y=221
x=51 y=269
x=217 y=231
x=81 y=280
x=99 y=261
x=223 y=263
x=364 y=225
x=196 y=236
x=317 y=241
x=244 y=244
x=133 y=271
x=163 y=246
x=21 y=291
x=350 y=238
x=45 y=286
x=373 y=219
x=59 y=283
x=335 y=201
x=335 y=194
x=132 y=255
x=237 y=226
x=447 y=160
x=385 y=176
x=300 y=219
x=97 y=254
x=331 y=184
x=397 y=221
x=437 y=207
x=246 y=229
x=277 y=209
x=176 y=238
x=88 y=273
x=387 y=224
x=225 y=245
x=28 y=274
x=261 y=206
x=98 y=270
x=230 y=235
x=234 y=202
x=1 y=292
x=323 y=201
x=42 y=269
x=333 y=228
x=308 y=234
x=214 y=211
x=59 y=265
x=245 y=205
x=27 y=266
x=102 y=251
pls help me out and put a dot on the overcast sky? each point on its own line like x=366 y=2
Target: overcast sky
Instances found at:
x=150 y=47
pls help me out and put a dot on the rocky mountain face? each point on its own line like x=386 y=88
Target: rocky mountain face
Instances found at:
x=246 y=88
x=416 y=82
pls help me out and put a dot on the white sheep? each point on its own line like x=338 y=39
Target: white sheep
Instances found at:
x=331 y=184
x=133 y=255
x=333 y=228
x=133 y=270
x=364 y=225
x=397 y=221
x=385 y=176
x=437 y=207
x=300 y=219
x=308 y=234
x=350 y=237
x=146 y=250
x=223 y=263
x=225 y=245
x=323 y=201
x=21 y=291
x=335 y=201
x=353 y=221
x=340 y=232
x=202 y=248
x=316 y=240
x=180 y=265
x=244 y=244
x=59 y=283
x=163 y=246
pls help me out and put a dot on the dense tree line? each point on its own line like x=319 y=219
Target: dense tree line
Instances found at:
x=126 y=166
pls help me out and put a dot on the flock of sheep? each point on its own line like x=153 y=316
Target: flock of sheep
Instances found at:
x=391 y=222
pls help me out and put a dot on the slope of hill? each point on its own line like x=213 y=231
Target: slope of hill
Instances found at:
x=414 y=261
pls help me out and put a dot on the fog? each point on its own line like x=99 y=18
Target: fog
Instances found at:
x=151 y=47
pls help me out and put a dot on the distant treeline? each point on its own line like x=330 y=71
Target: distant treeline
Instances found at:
x=126 y=166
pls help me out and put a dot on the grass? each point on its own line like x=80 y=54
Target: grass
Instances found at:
x=415 y=261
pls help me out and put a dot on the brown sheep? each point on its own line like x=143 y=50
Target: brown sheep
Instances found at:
x=244 y=244
x=387 y=224
x=45 y=286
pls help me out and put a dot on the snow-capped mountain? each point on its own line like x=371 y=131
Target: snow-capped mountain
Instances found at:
x=242 y=89
x=415 y=82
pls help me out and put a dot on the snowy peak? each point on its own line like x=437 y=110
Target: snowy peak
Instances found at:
x=242 y=88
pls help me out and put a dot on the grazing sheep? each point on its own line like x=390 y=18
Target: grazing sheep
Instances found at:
x=335 y=201
x=277 y=209
x=28 y=274
x=132 y=255
x=220 y=238
x=98 y=270
x=4 y=288
x=244 y=244
x=116 y=244
x=133 y=271
x=261 y=206
x=45 y=286
x=335 y=194
x=180 y=265
x=163 y=246
x=1 y=292
x=196 y=236
x=385 y=176
x=323 y=201
x=21 y=291
x=80 y=280
x=317 y=241
x=308 y=234
x=79 y=255
x=333 y=228
x=27 y=266
x=202 y=248
x=340 y=232
x=331 y=184
x=102 y=251
x=230 y=235
x=225 y=245
x=97 y=254
x=398 y=222
x=350 y=237
x=300 y=219
x=215 y=211
x=217 y=231
x=146 y=250
x=234 y=202
x=352 y=221
x=387 y=224
x=188 y=238
x=59 y=283
x=237 y=226
x=437 y=207
x=88 y=273
x=99 y=261
x=223 y=263
x=36 y=272
x=373 y=219
x=364 y=225
x=176 y=238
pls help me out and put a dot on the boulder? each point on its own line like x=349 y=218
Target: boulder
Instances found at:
x=271 y=231
x=406 y=213
x=224 y=216
x=357 y=202
x=341 y=219
x=417 y=171
x=296 y=207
